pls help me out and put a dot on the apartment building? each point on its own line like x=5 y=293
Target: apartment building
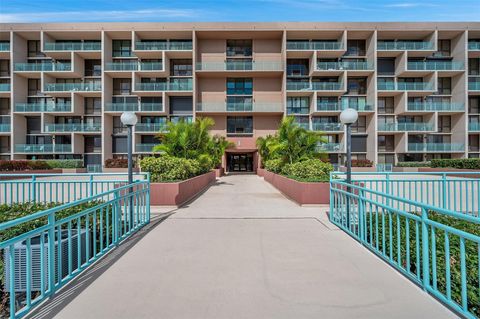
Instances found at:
x=416 y=86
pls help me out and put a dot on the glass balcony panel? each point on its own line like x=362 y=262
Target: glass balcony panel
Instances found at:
x=72 y=46
x=151 y=127
x=144 y=147
x=121 y=66
x=326 y=86
x=4 y=87
x=43 y=66
x=151 y=66
x=435 y=106
x=436 y=147
x=315 y=45
x=474 y=45
x=345 y=65
x=121 y=107
x=328 y=106
x=43 y=148
x=151 y=107
x=327 y=127
x=474 y=86
x=4 y=46
x=330 y=147
x=65 y=87
x=404 y=45
x=474 y=126
x=5 y=127
x=435 y=65
x=73 y=127
x=43 y=107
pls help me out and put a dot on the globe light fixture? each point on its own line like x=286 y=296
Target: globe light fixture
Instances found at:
x=128 y=118
x=348 y=116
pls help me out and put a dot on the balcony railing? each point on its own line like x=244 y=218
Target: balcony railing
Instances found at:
x=436 y=147
x=73 y=127
x=474 y=126
x=151 y=127
x=359 y=104
x=328 y=106
x=330 y=147
x=239 y=107
x=43 y=148
x=121 y=66
x=163 y=46
x=240 y=66
x=435 y=66
x=327 y=127
x=66 y=87
x=43 y=107
x=404 y=45
x=435 y=106
x=72 y=46
x=121 y=107
x=5 y=127
x=474 y=86
x=151 y=107
x=150 y=66
x=404 y=86
x=144 y=147
x=344 y=65
x=401 y=127
x=318 y=45
x=4 y=46
x=314 y=86
x=184 y=85
x=474 y=45
x=4 y=87
x=43 y=66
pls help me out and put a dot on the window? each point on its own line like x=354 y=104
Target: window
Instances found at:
x=34 y=87
x=386 y=66
x=93 y=105
x=474 y=104
x=444 y=48
x=122 y=48
x=240 y=86
x=360 y=126
x=474 y=143
x=93 y=144
x=444 y=86
x=297 y=67
x=356 y=86
x=33 y=125
x=239 y=47
x=118 y=127
x=298 y=105
x=241 y=125
x=359 y=143
x=386 y=143
x=119 y=144
x=356 y=48
x=181 y=67
x=386 y=158
x=181 y=105
x=122 y=86
x=34 y=49
x=385 y=105
x=474 y=66
x=4 y=67
x=445 y=123
x=93 y=68
x=4 y=106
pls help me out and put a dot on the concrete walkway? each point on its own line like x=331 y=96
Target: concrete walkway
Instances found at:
x=242 y=250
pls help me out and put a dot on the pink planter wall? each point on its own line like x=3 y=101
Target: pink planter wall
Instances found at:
x=219 y=172
x=176 y=194
x=260 y=172
x=300 y=192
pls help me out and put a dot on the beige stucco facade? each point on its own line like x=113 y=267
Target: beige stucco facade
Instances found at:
x=416 y=85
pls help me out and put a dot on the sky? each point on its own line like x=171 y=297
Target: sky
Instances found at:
x=237 y=10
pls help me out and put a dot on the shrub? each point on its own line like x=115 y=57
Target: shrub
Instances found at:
x=311 y=170
x=171 y=169
x=22 y=165
x=116 y=163
x=413 y=164
x=274 y=165
x=362 y=163
x=71 y=163
x=464 y=163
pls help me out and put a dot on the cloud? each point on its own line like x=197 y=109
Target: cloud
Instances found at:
x=102 y=15
x=409 y=5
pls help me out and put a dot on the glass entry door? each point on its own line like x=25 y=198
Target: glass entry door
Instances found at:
x=240 y=162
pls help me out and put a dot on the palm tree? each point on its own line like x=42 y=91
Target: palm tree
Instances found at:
x=263 y=146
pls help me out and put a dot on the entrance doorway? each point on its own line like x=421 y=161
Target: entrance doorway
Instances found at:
x=240 y=162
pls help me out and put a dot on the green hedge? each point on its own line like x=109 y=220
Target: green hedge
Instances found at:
x=274 y=165
x=171 y=169
x=413 y=164
x=464 y=163
x=311 y=170
x=71 y=163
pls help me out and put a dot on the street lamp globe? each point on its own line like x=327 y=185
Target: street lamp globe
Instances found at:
x=348 y=116
x=129 y=118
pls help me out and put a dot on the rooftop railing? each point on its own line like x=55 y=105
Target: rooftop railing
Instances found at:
x=72 y=46
x=314 y=45
x=404 y=45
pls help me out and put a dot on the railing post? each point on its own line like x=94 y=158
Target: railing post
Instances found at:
x=148 y=197
x=90 y=185
x=117 y=216
x=361 y=216
x=34 y=189
x=51 y=252
x=425 y=255
x=444 y=191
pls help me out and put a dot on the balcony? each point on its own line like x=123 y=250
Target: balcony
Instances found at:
x=404 y=45
x=151 y=127
x=220 y=107
x=183 y=85
x=72 y=46
x=43 y=107
x=314 y=46
x=121 y=66
x=121 y=107
x=330 y=147
x=163 y=46
x=344 y=65
x=404 y=86
x=403 y=127
x=4 y=46
x=72 y=127
x=4 y=87
x=151 y=107
x=150 y=66
x=359 y=104
x=144 y=147
x=5 y=127
x=240 y=66
x=474 y=126
x=328 y=106
x=436 y=147
x=43 y=148
x=327 y=127
x=435 y=106
x=36 y=67
x=474 y=86
x=314 y=86
x=68 y=87
x=435 y=66
x=474 y=45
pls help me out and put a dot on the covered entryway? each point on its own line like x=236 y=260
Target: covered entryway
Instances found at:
x=239 y=162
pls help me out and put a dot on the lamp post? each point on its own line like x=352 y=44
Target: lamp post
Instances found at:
x=129 y=119
x=348 y=117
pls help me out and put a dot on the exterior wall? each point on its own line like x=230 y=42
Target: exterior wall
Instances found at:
x=269 y=47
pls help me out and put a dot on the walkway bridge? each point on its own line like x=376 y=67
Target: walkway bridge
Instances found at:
x=242 y=250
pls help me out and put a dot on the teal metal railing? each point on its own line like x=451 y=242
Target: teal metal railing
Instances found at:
x=315 y=45
x=73 y=127
x=474 y=86
x=162 y=46
x=72 y=46
x=474 y=126
x=435 y=106
x=45 y=250
x=121 y=107
x=344 y=65
x=43 y=107
x=43 y=148
x=66 y=87
x=474 y=45
x=404 y=45
x=418 y=223
x=435 y=65
x=46 y=66
x=436 y=147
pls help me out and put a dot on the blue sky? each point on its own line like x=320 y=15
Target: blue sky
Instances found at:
x=237 y=10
